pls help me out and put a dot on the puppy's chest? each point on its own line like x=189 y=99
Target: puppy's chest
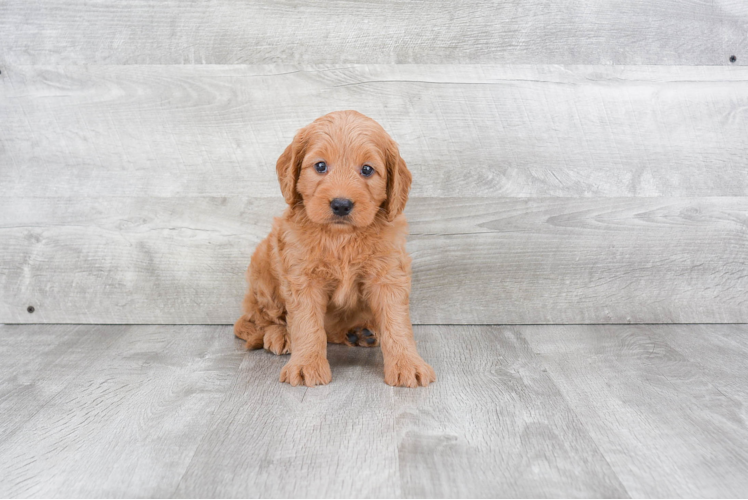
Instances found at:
x=343 y=268
x=345 y=284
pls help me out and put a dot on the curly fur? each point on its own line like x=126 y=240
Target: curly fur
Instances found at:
x=318 y=276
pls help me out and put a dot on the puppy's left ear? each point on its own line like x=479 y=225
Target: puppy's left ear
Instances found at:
x=398 y=182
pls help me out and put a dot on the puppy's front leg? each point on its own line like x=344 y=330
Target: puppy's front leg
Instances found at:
x=403 y=366
x=305 y=318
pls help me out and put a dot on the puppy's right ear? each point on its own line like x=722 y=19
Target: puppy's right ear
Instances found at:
x=289 y=167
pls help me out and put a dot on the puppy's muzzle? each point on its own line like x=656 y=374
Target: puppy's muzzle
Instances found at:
x=341 y=206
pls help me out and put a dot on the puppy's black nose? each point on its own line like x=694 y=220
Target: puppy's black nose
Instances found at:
x=341 y=206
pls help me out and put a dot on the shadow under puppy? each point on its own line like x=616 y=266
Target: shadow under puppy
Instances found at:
x=334 y=267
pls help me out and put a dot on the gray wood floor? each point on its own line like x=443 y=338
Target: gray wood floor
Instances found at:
x=152 y=411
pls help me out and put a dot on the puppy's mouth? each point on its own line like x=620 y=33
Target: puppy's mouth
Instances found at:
x=341 y=221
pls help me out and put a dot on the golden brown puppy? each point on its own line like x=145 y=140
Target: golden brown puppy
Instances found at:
x=334 y=267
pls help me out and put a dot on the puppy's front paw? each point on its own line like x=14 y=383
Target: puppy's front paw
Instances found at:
x=306 y=373
x=408 y=372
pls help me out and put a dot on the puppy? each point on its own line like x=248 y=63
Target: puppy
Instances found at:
x=334 y=267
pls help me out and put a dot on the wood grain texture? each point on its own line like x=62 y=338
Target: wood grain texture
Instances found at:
x=721 y=352
x=358 y=437
x=273 y=440
x=554 y=260
x=465 y=130
x=37 y=364
x=626 y=260
x=381 y=31
x=660 y=419
x=517 y=411
x=493 y=424
x=129 y=424
x=204 y=424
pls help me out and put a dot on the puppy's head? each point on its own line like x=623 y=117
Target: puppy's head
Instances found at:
x=344 y=170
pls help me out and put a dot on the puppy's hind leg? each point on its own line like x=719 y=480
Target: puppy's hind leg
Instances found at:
x=245 y=329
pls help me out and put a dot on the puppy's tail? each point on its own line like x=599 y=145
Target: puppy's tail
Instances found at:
x=245 y=329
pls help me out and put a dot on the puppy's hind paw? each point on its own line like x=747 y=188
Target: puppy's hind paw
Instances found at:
x=245 y=329
x=361 y=337
x=276 y=340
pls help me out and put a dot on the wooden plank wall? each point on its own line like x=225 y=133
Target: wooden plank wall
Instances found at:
x=605 y=32
x=572 y=163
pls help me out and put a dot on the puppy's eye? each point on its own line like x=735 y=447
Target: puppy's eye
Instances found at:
x=366 y=171
x=320 y=167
